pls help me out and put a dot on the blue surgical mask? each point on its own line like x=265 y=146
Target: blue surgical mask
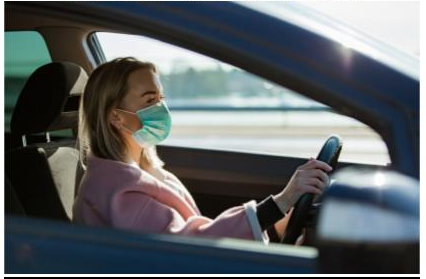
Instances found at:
x=156 y=124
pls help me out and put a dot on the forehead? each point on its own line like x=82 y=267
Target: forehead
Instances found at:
x=144 y=79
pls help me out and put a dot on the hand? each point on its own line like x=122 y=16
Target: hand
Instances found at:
x=281 y=225
x=308 y=178
x=301 y=239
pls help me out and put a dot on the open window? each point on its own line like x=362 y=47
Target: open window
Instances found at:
x=218 y=106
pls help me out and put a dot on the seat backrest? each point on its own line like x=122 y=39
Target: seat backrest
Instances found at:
x=45 y=174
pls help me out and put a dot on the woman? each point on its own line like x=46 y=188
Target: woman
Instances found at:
x=122 y=117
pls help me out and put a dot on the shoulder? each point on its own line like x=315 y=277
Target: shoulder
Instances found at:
x=106 y=178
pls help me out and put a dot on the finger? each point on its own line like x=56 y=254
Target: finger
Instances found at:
x=321 y=185
x=312 y=190
x=306 y=164
x=316 y=182
x=309 y=164
x=316 y=173
x=300 y=240
x=315 y=164
x=321 y=175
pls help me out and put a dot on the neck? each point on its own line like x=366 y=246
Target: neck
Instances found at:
x=134 y=155
x=133 y=151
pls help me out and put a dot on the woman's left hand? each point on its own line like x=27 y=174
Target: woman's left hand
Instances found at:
x=281 y=225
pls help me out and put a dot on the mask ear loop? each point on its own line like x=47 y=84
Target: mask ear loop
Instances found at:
x=126 y=111
x=124 y=127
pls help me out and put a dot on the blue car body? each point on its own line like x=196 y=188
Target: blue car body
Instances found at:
x=380 y=94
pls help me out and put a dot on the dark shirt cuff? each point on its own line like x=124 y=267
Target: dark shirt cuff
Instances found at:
x=268 y=213
x=273 y=235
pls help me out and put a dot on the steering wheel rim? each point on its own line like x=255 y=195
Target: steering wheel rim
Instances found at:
x=329 y=154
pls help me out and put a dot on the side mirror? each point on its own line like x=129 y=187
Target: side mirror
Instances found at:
x=369 y=223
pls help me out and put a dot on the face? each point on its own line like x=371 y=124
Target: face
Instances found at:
x=144 y=90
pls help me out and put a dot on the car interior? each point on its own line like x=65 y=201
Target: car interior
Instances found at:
x=43 y=171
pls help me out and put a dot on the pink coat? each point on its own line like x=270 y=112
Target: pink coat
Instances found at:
x=120 y=195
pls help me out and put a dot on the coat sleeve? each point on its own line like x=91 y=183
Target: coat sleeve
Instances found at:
x=139 y=212
x=188 y=197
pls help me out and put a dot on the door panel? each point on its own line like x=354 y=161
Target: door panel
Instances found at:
x=32 y=246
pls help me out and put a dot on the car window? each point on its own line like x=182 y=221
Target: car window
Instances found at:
x=25 y=51
x=215 y=105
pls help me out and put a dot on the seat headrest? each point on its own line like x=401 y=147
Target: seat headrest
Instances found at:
x=49 y=100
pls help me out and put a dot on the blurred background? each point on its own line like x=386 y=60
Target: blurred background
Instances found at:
x=217 y=106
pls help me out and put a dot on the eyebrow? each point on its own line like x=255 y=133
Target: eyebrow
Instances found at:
x=149 y=92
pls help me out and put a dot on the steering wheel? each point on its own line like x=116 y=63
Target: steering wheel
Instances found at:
x=329 y=154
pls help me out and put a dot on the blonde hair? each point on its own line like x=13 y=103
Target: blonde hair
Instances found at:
x=105 y=89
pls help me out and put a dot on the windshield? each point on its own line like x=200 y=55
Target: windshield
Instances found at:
x=314 y=21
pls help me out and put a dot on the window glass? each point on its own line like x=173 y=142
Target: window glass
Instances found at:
x=217 y=106
x=25 y=51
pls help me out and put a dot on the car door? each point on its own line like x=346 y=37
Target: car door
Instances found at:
x=47 y=247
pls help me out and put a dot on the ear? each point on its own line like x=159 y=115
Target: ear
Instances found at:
x=115 y=119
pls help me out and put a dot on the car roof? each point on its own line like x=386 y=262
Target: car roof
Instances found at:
x=349 y=37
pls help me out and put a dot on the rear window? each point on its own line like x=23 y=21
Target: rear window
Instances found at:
x=24 y=52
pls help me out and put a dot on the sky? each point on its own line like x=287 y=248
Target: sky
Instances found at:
x=395 y=22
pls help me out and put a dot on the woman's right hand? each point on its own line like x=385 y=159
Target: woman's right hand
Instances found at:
x=308 y=178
